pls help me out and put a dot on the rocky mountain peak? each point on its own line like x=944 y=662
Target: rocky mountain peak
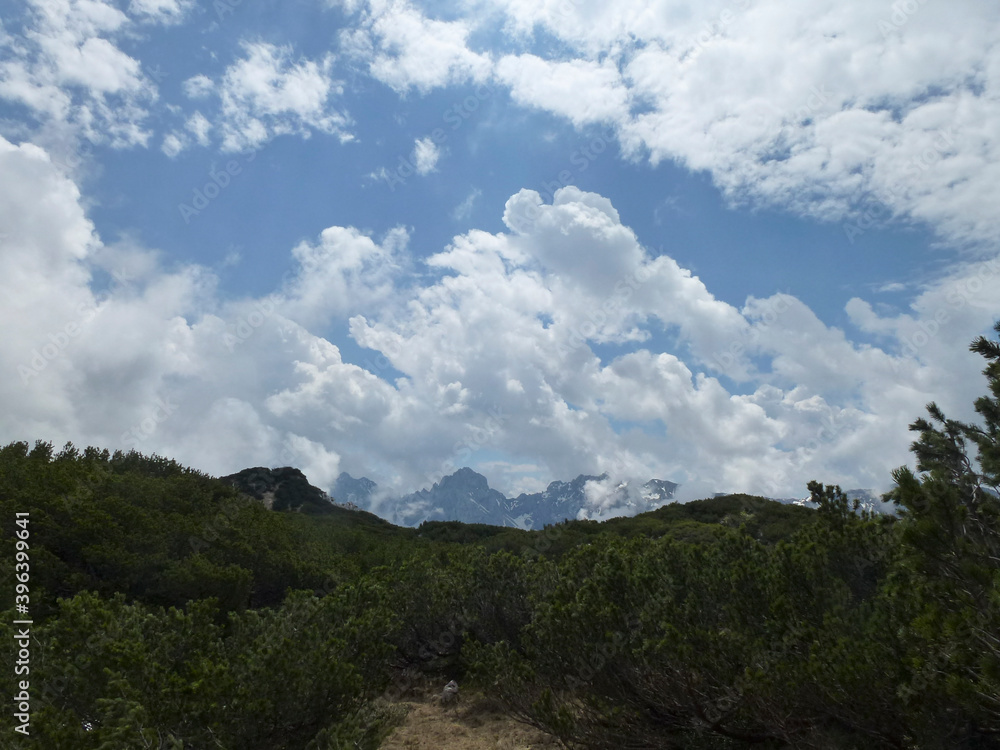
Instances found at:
x=285 y=488
x=466 y=496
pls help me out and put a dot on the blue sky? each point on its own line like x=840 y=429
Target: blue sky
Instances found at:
x=737 y=245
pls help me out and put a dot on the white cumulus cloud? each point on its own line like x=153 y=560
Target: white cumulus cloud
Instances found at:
x=269 y=93
x=851 y=112
x=539 y=344
x=406 y=50
x=68 y=70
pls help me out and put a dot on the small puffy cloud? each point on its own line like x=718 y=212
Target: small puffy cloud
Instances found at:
x=892 y=286
x=174 y=143
x=161 y=11
x=100 y=66
x=405 y=49
x=425 y=155
x=464 y=209
x=198 y=87
x=268 y=93
x=199 y=126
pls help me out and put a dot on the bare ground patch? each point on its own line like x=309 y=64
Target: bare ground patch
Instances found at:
x=473 y=724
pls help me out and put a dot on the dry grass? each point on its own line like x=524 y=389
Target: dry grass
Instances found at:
x=473 y=724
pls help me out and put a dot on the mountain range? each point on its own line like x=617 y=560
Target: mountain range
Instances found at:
x=467 y=497
x=867 y=501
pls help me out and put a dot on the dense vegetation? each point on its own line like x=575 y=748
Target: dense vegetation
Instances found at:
x=171 y=611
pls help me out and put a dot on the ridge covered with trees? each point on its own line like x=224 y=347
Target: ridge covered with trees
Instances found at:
x=173 y=611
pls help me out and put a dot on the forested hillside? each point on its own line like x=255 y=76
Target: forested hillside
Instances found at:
x=171 y=611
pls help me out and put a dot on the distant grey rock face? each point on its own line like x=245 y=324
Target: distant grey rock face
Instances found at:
x=467 y=497
x=347 y=489
x=590 y=496
x=463 y=496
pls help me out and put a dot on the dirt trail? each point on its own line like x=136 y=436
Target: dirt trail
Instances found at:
x=471 y=725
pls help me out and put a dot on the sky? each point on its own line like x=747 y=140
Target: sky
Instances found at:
x=736 y=245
